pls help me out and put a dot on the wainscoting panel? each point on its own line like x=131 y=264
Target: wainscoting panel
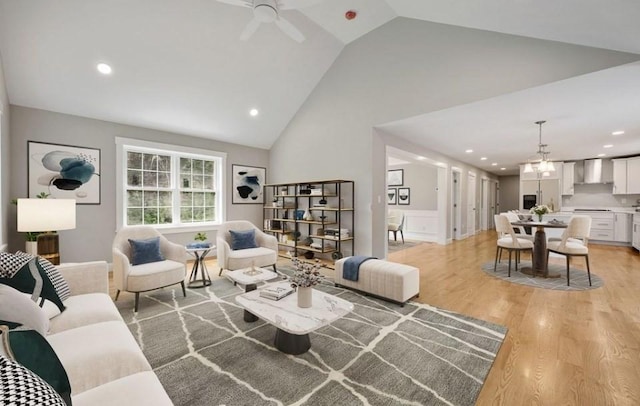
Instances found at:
x=421 y=225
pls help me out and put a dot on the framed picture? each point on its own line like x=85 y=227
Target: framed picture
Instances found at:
x=404 y=196
x=392 y=195
x=64 y=171
x=247 y=184
x=395 y=177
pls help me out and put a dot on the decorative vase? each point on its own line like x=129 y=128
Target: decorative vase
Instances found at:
x=540 y=218
x=31 y=247
x=307 y=215
x=305 y=296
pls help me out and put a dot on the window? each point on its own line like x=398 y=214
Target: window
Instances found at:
x=169 y=186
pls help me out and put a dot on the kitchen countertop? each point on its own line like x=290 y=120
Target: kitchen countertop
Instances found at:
x=628 y=210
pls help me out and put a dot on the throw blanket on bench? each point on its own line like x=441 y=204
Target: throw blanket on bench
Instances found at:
x=351 y=266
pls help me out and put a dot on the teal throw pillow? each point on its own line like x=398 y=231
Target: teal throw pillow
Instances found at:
x=28 y=276
x=33 y=351
x=242 y=240
x=145 y=251
x=56 y=278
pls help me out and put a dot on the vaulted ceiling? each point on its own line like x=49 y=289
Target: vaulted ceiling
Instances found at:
x=180 y=65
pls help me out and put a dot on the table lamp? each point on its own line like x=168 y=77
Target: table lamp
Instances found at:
x=47 y=216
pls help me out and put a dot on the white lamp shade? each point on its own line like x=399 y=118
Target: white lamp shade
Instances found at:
x=528 y=168
x=550 y=166
x=39 y=215
x=542 y=166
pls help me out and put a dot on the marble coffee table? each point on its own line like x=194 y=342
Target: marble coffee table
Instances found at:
x=249 y=278
x=295 y=323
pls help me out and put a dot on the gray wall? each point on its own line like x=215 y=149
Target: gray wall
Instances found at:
x=96 y=224
x=422 y=180
x=402 y=69
x=4 y=159
x=509 y=193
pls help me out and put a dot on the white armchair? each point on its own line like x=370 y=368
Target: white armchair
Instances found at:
x=149 y=276
x=265 y=255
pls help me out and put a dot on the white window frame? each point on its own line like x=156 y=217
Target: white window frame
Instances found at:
x=123 y=145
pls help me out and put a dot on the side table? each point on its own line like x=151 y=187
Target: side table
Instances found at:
x=199 y=254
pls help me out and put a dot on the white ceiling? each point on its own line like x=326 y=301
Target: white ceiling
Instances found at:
x=179 y=65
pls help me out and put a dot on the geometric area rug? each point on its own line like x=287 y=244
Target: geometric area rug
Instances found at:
x=204 y=353
x=578 y=278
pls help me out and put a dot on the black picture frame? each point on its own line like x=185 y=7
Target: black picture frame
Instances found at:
x=392 y=196
x=46 y=172
x=247 y=184
x=395 y=177
x=404 y=196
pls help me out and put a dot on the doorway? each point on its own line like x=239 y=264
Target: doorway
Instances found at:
x=456 y=210
x=471 y=204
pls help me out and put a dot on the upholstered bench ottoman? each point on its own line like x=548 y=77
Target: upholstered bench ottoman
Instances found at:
x=387 y=280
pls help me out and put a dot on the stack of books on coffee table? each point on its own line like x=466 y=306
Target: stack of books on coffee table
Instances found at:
x=276 y=292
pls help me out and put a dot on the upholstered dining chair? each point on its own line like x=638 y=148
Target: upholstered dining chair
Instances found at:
x=262 y=250
x=520 y=230
x=509 y=240
x=396 y=224
x=140 y=264
x=573 y=242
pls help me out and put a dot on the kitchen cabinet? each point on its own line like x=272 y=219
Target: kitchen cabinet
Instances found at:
x=602 y=226
x=619 y=176
x=636 y=232
x=633 y=176
x=547 y=191
x=568 y=170
x=622 y=227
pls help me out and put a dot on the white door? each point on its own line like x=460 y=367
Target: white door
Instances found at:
x=471 y=204
x=456 y=210
x=484 y=204
x=493 y=203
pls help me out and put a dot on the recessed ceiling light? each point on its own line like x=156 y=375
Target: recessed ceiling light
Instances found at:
x=469 y=151
x=503 y=169
x=420 y=158
x=601 y=155
x=607 y=146
x=104 y=68
x=484 y=158
x=253 y=112
x=494 y=164
x=617 y=132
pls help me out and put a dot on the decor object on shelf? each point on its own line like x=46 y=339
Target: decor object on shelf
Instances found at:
x=392 y=196
x=64 y=171
x=544 y=166
x=540 y=210
x=46 y=216
x=307 y=216
x=404 y=196
x=395 y=177
x=306 y=276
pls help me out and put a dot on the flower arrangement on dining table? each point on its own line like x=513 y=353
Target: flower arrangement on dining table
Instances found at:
x=540 y=210
x=306 y=274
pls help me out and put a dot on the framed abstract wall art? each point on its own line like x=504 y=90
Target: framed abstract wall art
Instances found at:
x=247 y=184
x=392 y=196
x=404 y=196
x=64 y=172
x=395 y=177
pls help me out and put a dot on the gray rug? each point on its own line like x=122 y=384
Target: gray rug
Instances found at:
x=395 y=246
x=380 y=354
x=577 y=277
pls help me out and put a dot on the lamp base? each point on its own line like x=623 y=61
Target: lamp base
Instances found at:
x=49 y=247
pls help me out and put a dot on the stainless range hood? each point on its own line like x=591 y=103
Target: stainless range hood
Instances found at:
x=594 y=171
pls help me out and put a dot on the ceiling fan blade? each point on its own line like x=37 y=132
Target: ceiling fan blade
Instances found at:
x=289 y=29
x=241 y=3
x=249 y=29
x=296 y=4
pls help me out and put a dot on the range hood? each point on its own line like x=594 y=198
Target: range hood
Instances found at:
x=594 y=171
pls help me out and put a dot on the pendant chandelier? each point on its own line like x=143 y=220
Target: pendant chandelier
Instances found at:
x=544 y=165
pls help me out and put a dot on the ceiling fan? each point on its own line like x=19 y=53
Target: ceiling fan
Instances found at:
x=266 y=11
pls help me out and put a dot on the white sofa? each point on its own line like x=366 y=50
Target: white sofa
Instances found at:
x=103 y=361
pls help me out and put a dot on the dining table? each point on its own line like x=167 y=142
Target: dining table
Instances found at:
x=539 y=258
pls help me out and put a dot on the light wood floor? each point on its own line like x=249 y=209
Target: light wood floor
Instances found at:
x=562 y=348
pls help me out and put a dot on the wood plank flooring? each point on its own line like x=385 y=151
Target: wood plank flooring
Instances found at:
x=562 y=348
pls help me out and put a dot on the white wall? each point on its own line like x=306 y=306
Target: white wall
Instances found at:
x=509 y=193
x=422 y=181
x=96 y=224
x=402 y=69
x=598 y=196
x=5 y=173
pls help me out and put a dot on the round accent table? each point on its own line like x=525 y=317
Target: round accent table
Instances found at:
x=199 y=265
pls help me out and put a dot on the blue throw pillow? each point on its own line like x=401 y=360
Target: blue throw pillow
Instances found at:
x=145 y=251
x=242 y=240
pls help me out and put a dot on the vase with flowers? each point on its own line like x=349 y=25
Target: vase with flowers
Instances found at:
x=305 y=277
x=540 y=210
